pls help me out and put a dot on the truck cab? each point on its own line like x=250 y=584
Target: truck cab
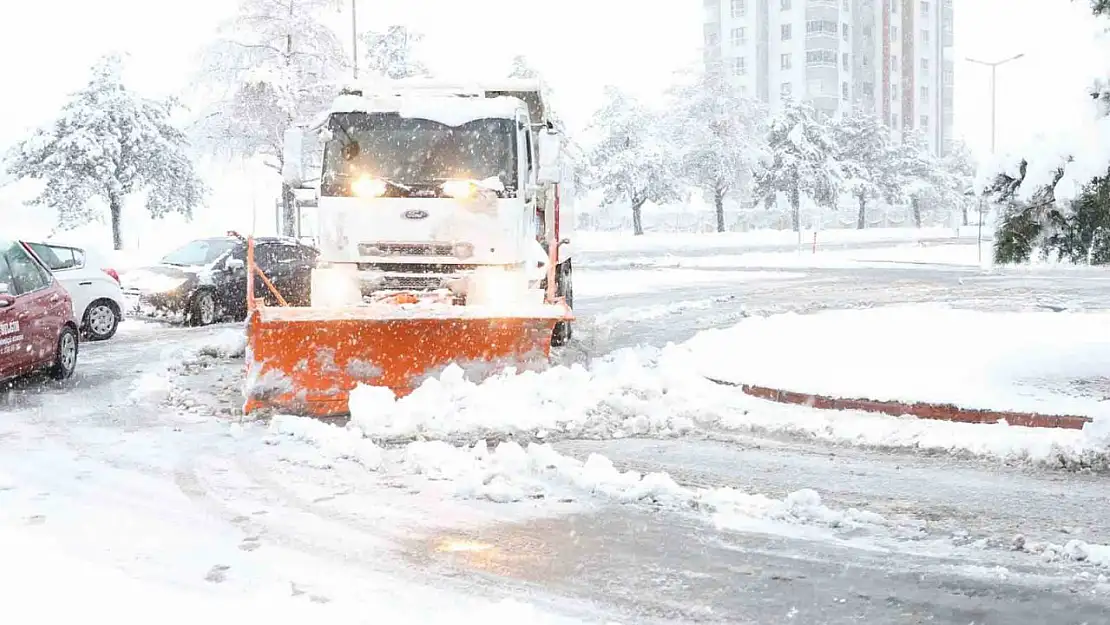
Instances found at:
x=424 y=185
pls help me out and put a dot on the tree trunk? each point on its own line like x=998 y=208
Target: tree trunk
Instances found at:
x=637 y=218
x=965 y=214
x=796 y=209
x=861 y=223
x=916 y=205
x=115 y=205
x=288 y=211
x=719 y=204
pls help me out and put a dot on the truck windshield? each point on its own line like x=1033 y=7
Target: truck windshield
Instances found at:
x=413 y=151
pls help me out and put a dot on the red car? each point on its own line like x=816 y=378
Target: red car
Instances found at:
x=37 y=327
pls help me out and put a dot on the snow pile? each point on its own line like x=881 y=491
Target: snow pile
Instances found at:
x=34 y=568
x=686 y=241
x=929 y=353
x=511 y=472
x=907 y=353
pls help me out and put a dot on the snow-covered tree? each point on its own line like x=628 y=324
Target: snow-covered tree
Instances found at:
x=521 y=68
x=959 y=168
x=109 y=144
x=718 y=136
x=272 y=65
x=913 y=175
x=393 y=53
x=631 y=162
x=864 y=150
x=800 y=160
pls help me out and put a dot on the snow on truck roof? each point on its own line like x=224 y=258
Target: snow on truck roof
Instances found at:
x=445 y=109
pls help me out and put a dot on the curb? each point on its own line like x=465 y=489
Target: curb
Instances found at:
x=921 y=410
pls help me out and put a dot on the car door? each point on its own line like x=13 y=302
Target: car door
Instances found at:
x=268 y=258
x=14 y=355
x=43 y=307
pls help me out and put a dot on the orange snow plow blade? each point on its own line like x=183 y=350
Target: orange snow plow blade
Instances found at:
x=306 y=361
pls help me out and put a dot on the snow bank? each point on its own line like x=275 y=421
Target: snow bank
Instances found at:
x=926 y=353
x=511 y=472
x=931 y=353
x=586 y=241
x=35 y=569
x=955 y=255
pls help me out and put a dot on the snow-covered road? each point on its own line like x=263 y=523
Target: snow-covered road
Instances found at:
x=129 y=470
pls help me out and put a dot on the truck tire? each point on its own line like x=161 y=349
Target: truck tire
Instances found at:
x=564 y=287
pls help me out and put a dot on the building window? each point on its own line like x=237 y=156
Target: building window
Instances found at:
x=739 y=66
x=924 y=9
x=817 y=28
x=784 y=61
x=844 y=90
x=894 y=62
x=739 y=8
x=739 y=37
x=894 y=5
x=894 y=33
x=924 y=36
x=785 y=31
x=711 y=40
x=924 y=66
x=924 y=94
x=844 y=31
x=949 y=77
x=847 y=6
x=826 y=58
x=784 y=5
x=786 y=89
x=924 y=121
x=844 y=58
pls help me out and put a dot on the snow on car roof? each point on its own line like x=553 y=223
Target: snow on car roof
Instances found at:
x=451 y=110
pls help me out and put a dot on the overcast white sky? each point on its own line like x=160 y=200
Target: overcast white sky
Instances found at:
x=46 y=47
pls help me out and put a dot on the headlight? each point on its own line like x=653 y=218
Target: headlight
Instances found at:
x=366 y=186
x=459 y=188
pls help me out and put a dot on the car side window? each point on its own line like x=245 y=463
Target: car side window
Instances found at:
x=49 y=255
x=27 y=275
x=265 y=257
x=287 y=255
x=68 y=258
x=6 y=286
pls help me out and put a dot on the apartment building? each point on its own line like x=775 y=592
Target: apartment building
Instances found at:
x=892 y=58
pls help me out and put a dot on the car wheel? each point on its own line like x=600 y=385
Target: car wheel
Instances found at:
x=101 y=320
x=202 y=311
x=65 y=358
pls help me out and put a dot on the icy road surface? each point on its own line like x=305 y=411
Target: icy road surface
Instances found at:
x=128 y=469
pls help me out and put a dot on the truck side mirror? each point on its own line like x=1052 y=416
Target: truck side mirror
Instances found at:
x=292 y=157
x=550 y=148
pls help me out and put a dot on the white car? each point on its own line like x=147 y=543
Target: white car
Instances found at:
x=94 y=289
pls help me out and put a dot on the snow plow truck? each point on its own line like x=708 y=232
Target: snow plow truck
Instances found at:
x=443 y=232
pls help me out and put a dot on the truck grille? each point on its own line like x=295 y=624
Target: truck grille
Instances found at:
x=406 y=249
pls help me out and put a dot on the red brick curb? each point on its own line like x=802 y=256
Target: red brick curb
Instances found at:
x=922 y=410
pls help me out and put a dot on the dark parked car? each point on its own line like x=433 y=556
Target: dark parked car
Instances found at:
x=37 y=327
x=205 y=280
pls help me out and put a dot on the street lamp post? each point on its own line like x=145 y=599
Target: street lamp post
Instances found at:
x=994 y=72
x=354 y=37
x=994 y=106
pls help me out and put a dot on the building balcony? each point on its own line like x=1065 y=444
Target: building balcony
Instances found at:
x=824 y=3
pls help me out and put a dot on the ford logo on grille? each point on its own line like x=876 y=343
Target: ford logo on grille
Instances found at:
x=415 y=214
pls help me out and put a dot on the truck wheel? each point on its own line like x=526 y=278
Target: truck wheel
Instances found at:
x=564 y=287
x=202 y=310
x=65 y=358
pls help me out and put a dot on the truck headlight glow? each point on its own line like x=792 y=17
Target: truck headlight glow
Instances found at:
x=365 y=186
x=459 y=188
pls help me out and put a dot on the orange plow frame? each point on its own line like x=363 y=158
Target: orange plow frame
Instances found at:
x=306 y=361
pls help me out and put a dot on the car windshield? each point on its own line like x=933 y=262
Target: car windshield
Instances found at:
x=199 y=252
x=410 y=151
